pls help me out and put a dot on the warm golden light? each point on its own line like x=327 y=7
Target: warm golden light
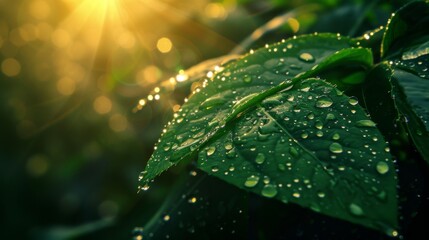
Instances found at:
x=11 y=67
x=164 y=45
x=118 y=123
x=215 y=10
x=61 y=38
x=66 y=86
x=102 y=105
x=39 y=9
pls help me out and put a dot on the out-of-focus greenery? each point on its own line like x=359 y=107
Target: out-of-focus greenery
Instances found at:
x=71 y=75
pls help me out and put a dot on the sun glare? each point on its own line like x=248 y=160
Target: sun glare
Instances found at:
x=79 y=50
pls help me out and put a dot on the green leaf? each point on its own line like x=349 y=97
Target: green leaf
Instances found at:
x=406 y=46
x=410 y=83
x=240 y=85
x=406 y=29
x=377 y=93
x=313 y=146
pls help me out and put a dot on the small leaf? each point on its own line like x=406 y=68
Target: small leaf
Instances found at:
x=312 y=146
x=242 y=84
x=406 y=29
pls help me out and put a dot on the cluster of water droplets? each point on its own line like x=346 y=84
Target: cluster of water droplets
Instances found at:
x=418 y=66
x=277 y=144
x=274 y=150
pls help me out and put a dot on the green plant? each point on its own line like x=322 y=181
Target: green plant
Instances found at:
x=306 y=120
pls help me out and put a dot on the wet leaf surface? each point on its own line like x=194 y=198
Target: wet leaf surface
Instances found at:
x=313 y=146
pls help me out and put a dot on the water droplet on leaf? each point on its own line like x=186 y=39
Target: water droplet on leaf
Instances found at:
x=211 y=150
x=251 y=181
x=336 y=148
x=353 y=101
x=324 y=102
x=260 y=158
x=382 y=167
x=355 y=209
x=365 y=123
x=306 y=57
x=296 y=195
x=269 y=191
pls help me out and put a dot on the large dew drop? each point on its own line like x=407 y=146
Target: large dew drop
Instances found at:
x=324 y=102
x=247 y=79
x=228 y=146
x=306 y=57
x=336 y=148
x=269 y=191
x=365 y=123
x=251 y=181
x=382 y=167
x=355 y=209
x=260 y=158
x=353 y=101
x=210 y=151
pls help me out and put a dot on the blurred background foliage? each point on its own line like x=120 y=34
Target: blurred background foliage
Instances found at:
x=87 y=85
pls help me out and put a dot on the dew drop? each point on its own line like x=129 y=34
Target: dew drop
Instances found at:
x=336 y=148
x=192 y=200
x=318 y=125
x=211 y=150
x=166 y=218
x=228 y=146
x=247 y=79
x=365 y=123
x=321 y=194
x=145 y=187
x=306 y=57
x=382 y=195
x=324 y=102
x=295 y=67
x=269 y=191
x=260 y=158
x=251 y=181
x=166 y=148
x=266 y=180
x=304 y=135
x=336 y=136
x=353 y=101
x=330 y=116
x=382 y=167
x=355 y=209
x=310 y=116
x=137 y=233
x=296 y=195
x=294 y=152
x=215 y=169
x=392 y=232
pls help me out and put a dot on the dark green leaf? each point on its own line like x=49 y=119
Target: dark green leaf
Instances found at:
x=313 y=146
x=407 y=29
x=240 y=85
x=379 y=102
x=411 y=95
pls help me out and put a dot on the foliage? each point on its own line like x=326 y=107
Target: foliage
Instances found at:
x=285 y=121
